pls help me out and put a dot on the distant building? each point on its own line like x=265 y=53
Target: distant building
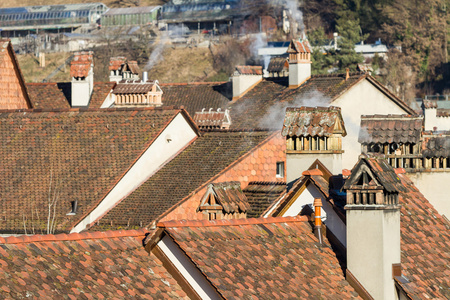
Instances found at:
x=19 y=21
x=130 y=16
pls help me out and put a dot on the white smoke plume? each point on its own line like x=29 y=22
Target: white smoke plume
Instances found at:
x=275 y=115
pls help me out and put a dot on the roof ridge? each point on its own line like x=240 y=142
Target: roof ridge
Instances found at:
x=267 y=182
x=337 y=75
x=192 y=83
x=82 y=109
x=239 y=130
x=232 y=222
x=72 y=236
x=392 y=116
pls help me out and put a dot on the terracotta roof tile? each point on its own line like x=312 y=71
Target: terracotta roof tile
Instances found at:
x=436 y=145
x=430 y=104
x=278 y=64
x=78 y=154
x=425 y=245
x=199 y=162
x=77 y=265
x=262 y=258
x=58 y=95
x=249 y=70
x=261 y=195
x=81 y=64
x=311 y=121
x=115 y=63
x=133 y=88
x=390 y=129
x=230 y=196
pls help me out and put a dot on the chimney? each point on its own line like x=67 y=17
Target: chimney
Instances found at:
x=373 y=228
x=299 y=63
x=244 y=79
x=430 y=115
x=82 y=73
x=116 y=65
x=144 y=76
x=318 y=219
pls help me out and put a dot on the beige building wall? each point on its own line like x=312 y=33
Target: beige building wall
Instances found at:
x=296 y=163
x=373 y=245
x=434 y=186
x=361 y=99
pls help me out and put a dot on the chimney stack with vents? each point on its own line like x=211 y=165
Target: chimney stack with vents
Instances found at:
x=82 y=73
x=318 y=219
x=373 y=228
x=299 y=62
x=244 y=79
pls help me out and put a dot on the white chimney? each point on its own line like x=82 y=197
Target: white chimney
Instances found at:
x=144 y=77
x=299 y=63
x=373 y=228
x=82 y=73
x=244 y=79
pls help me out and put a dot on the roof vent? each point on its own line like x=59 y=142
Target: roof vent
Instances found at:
x=74 y=205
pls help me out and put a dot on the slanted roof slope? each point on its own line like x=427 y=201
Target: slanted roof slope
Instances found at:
x=267 y=258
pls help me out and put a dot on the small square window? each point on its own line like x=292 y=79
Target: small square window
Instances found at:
x=280 y=169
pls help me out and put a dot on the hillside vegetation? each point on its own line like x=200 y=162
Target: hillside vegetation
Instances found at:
x=109 y=3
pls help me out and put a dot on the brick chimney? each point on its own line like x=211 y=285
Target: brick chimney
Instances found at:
x=244 y=79
x=82 y=73
x=373 y=228
x=299 y=62
x=115 y=68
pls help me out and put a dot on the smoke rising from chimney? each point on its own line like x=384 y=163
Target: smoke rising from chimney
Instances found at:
x=275 y=115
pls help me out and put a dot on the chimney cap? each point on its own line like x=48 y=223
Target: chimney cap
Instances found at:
x=317 y=202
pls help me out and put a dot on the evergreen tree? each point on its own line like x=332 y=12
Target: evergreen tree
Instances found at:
x=349 y=35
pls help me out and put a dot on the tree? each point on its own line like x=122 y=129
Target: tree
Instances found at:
x=349 y=34
x=321 y=61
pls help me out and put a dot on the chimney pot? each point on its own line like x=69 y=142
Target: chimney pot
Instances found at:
x=318 y=219
x=347 y=75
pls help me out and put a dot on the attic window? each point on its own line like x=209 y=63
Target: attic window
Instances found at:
x=280 y=169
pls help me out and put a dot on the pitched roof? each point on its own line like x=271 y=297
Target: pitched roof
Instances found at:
x=72 y=155
x=196 y=96
x=425 y=245
x=86 y=265
x=58 y=96
x=115 y=63
x=312 y=121
x=299 y=47
x=229 y=195
x=133 y=88
x=390 y=129
x=267 y=258
x=133 y=67
x=436 y=144
x=249 y=70
x=13 y=92
x=278 y=64
x=81 y=64
x=380 y=169
x=199 y=163
x=261 y=195
x=212 y=119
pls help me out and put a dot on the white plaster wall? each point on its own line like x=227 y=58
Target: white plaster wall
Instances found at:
x=373 y=245
x=297 y=163
x=160 y=151
x=434 y=186
x=298 y=73
x=361 y=99
x=187 y=269
x=80 y=93
x=329 y=216
x=432 y=120
x=242 y=83
x=109 y=100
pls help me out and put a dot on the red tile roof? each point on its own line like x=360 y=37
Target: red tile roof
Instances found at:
x=278 y=64
x=13 y=92
x=267 y=258
x=199 y=163
x=230 y=196
x=77 y=155
x=261 y=195
x=133 y=88
x=101 y=265
x=116 y=62
x=133 y=67
x=425 y=246
x=81 y=64
x=430 y=103
x=390 y=129
x=249 y=70
x=312 y=121
x=299 y=47
x=54 y=95
x=436 y=144
x=212 y=119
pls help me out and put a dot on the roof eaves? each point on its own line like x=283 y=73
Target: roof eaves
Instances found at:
x=21 y=78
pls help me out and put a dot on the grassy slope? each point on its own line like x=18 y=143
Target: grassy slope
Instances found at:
x=177 y=65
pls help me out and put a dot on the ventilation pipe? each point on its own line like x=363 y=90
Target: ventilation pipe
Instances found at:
x=144 y=77
x=318 y=219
